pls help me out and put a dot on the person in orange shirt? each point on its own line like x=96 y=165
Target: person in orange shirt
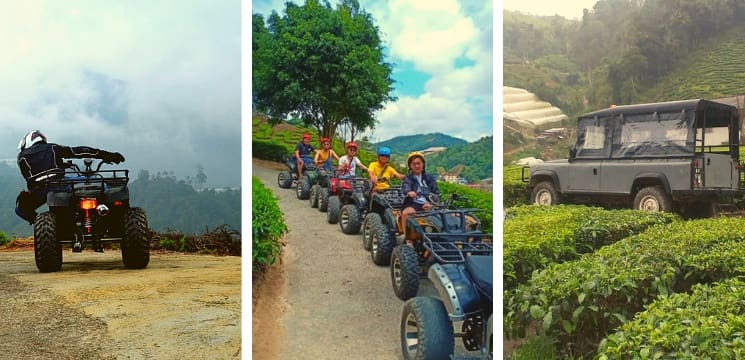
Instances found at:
x=324 y=155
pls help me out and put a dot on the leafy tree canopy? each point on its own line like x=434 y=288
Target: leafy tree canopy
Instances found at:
x=323 y=65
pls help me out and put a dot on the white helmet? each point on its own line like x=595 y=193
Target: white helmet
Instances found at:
x=31 y=138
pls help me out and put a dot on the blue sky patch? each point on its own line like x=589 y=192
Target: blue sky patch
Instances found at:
x=409 y=81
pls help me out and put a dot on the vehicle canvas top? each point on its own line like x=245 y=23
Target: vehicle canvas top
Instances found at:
x=666 y=130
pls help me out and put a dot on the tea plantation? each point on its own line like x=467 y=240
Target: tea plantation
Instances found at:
x=583 y=282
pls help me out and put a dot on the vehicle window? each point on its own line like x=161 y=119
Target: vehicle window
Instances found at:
x=594 y=137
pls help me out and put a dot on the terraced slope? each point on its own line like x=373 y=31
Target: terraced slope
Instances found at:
x=525 y=109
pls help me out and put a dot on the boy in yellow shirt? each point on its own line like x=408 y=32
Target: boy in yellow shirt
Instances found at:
x=381 y=172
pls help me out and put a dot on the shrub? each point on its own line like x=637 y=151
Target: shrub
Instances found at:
x=223 y=240
x=269 y=151
x=4 y=239
x=474 y=199
x=579 y=302
x=708 y=323
x=515 y=190
x=536 y=236
x=267 y=224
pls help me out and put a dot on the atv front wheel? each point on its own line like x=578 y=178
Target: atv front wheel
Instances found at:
x=426 y=330
x=349 y=219
x=371 y=219
x=314 y=192
x=332 y=216
x=284 y=179
x=381 y=244
x=47 y=250
x=303 y=188
x=135 y=243
x=323 y=199
x=404 y=272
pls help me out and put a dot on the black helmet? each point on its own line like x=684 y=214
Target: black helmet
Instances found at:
x=31 y=138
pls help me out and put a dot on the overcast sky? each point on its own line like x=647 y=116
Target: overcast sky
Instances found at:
x=571 y=9
x=442 y=50
x=158 y=81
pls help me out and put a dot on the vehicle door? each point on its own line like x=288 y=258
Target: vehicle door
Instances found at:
x=593 y=148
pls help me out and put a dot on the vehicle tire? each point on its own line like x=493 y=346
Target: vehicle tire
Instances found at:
x=334 y=206
x=367 y=225
x=381 y=245
x=136 y=242
x=426 y=330
x=323 y=199
x=404 y=272
x=544 y=194
x=349 y=219
x=284 y=180
x=314 y=190
x=652 y=199
x=303 y=188
x=47 y=249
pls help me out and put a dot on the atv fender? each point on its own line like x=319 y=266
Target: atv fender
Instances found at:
x=454 y=285
x=58 y=199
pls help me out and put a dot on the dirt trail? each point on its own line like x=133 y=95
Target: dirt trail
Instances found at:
x=97 y=309
x=337 y=303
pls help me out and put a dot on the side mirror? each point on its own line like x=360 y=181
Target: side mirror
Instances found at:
x=572 y=152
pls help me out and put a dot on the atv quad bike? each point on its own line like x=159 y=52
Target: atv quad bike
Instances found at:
x=90 y=207
x=320 y=182
x=286 y=178
x=383 y=235
x=347 y=202
x=465 y=296
x=437 y=237
x=382 y=216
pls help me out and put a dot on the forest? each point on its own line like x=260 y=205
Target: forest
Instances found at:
x=619 y=51
x=170 y=203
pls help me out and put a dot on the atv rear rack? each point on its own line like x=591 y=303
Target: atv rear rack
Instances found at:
x=80 y=181
x=449 y=248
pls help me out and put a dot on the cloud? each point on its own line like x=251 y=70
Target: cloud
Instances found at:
x=158 y=81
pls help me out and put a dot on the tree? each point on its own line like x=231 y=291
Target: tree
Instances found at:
x=201 y=178
x=322 y=65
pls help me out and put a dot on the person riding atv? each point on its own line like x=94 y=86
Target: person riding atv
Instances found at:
x=39 y=161
x=381 y=171
x=417 y=183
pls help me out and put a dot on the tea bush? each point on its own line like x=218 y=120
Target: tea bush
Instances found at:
x=708 y=323
x=581 y=301
x=269 y=150
x=267 y=224
x=474 y=199
x=514 y=189
x=536 y=236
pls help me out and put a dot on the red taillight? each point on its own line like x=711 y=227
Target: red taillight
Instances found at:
x=88 y=204
x=118 y=203
x=695 y=163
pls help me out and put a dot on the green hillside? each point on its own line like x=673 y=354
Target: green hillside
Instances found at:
x=715 y=71
x=405 y=144
x=472 y=161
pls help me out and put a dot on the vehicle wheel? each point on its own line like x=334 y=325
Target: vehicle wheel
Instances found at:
x=652 y=199
x=404 y=272
x=381 y=244
x=323 y=199
x=135 y=243
x=544 y=194
x=47 y=250
x=332 y=215
x=303 y=188
x=426 y=330
x=370 y=221
x=284 y=179
x=314 y=195
x=349 y=219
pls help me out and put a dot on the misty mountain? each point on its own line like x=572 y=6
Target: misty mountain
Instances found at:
x=402 y=145
x=168 y=202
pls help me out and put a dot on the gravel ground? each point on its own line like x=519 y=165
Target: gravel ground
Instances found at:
x=96 y=309
x=337 y=303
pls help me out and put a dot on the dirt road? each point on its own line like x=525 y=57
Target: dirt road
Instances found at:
x=336 y=304
x=96 y=309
